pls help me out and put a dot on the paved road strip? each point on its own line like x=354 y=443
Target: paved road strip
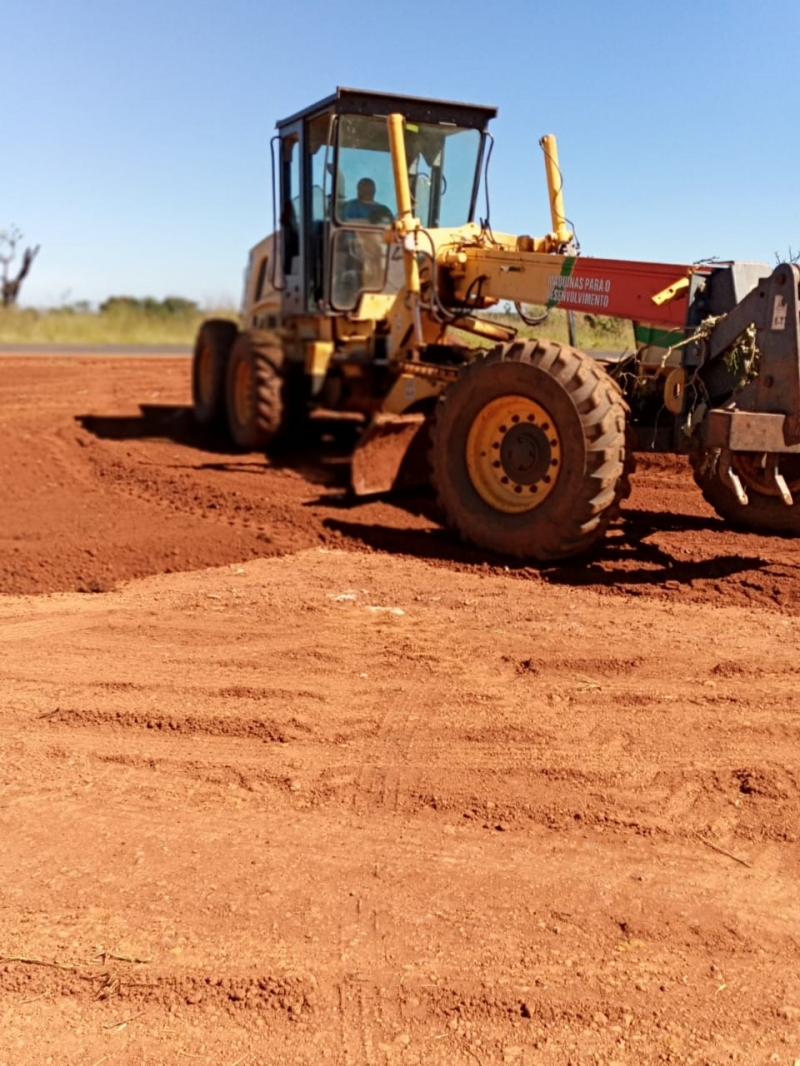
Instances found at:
x=94 y=349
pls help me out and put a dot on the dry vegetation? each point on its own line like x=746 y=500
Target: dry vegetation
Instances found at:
x=119 y=320
x=592 y=331
x=123 y=320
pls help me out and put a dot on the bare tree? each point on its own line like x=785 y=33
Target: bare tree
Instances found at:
x=10 y=286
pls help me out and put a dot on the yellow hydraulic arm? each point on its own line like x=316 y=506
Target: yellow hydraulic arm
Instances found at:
x=484 y=268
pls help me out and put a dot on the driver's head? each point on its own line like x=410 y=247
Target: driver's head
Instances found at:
x=365 y=190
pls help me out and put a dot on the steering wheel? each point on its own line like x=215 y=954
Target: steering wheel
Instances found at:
x=380 y=216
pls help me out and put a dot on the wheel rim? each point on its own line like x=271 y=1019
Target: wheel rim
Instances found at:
x=513 y=454
x=754 y=468
x=205 y=374
x=242 y=392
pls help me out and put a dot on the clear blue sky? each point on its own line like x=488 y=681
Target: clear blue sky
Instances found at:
x=135 y=136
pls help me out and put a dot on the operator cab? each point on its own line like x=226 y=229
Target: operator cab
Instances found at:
x=336 y=192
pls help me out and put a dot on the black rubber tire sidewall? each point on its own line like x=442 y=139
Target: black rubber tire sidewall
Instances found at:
x=761 y=514
x=490 y=528
x=566 y=522
x=219 y=336
x=265 y=420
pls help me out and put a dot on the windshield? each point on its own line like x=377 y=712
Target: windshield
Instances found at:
x=442 y=168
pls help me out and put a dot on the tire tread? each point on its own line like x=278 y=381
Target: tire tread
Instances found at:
x=577 y=522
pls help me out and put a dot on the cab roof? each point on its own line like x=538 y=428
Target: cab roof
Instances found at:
x=415 y=108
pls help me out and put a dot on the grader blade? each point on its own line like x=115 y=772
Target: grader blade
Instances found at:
x=391 y=454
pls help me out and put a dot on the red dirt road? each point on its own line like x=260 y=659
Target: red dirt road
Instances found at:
x=351 y=793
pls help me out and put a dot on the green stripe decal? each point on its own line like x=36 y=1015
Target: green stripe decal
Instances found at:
x=566 y=272
x=657 y=338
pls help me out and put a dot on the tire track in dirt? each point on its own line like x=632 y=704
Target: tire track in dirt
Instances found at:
x=141 y=985
x=441 y=790
x=755 y=800
x=386 y=754
x=261 y=729
x=183 y=504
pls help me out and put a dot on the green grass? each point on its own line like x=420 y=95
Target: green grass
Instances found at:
x=592 y=331
x=132 y=325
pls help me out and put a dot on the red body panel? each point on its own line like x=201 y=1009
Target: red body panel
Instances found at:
x=621 y=287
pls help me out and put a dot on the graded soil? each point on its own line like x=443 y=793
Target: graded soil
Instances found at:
x=289 y=777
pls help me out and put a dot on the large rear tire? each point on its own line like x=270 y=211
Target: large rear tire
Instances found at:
x=254 y=391
x=215 y=338
x=528 y=451
x=765 y=511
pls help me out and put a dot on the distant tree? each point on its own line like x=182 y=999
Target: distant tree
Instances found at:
x=117 y=304
x=792 y=257
x=10 y=286
x=150 y=305
x=179 y=305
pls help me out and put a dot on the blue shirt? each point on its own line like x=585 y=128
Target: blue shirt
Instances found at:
x=360 y=211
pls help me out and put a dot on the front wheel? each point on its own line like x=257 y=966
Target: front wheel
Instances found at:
x=528 y=451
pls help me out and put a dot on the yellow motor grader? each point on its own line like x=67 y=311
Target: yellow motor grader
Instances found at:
x=368 y=304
